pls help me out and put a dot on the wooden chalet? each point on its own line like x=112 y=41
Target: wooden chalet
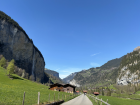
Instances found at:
x=56 y=87
x=63 y=87
x=96 y=93
x=84 y=91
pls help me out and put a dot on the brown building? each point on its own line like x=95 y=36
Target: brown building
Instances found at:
x=56 y=87
x=96 y=93
x=84 y=91
x=63 y=87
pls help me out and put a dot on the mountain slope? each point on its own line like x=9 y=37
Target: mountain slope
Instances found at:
x=129 y=71
x=104 y=75
x=70 y=77
x=51 y=72
x=53 y=76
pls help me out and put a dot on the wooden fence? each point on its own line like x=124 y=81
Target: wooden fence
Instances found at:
x=63 y=97
x=97 y=99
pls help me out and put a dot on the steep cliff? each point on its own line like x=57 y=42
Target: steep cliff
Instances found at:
x=15 y=44
x=129 y=71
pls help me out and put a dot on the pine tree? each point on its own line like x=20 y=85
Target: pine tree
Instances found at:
x=10 y=67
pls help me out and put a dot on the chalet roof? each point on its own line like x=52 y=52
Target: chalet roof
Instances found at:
x=69 y=85
x=64 y=85
x=58 y=84
x=85 y=91
x=95 y=92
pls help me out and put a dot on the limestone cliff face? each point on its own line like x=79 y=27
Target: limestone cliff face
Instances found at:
x=130 y=68
x=15 y=44
x=74 y=82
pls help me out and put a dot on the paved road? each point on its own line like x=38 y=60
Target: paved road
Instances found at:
x=80 y=100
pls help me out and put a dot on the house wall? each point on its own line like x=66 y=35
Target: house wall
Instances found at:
x=67 y=89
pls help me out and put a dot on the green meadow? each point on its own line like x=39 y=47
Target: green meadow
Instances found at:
x=11 y=91
x=115 y=101
x=120 y=101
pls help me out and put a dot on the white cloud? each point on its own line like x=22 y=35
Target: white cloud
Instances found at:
x=95 y=54
x=94 y=64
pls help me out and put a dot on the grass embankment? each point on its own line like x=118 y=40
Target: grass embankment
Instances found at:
x=11 y=91
x=125 y=95
x=95 y=102
x=116 y=101
x=120 y=101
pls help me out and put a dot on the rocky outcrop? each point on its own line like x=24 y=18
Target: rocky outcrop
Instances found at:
x=127 y=77
x=73 y=82
x=137 y=48
x=69 y=78
x=15 y=44
x=130 y=69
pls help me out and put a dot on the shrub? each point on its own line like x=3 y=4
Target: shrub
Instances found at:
x=11 y=67
x=3 y=62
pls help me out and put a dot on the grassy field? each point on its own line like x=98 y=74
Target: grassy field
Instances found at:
x=116 y=101
x=94 y=102
x=124 y=95
x=11 y=91
x=120 y=101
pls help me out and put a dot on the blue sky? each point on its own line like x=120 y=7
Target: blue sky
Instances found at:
x=73 y=35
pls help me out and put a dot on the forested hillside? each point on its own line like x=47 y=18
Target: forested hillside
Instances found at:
x=100 y=76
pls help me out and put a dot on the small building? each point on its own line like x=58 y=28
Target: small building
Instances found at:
x=63 y=87
x=85 y=91
x=96 y=93
x=77 y=91
x=56 y=87
x=69 y=88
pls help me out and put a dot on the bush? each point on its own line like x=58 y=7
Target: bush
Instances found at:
x=11 y=67
x=3 y=62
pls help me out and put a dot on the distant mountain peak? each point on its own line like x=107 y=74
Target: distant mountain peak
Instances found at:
x=137 y=48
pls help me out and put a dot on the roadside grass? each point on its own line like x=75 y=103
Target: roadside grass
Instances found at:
x=11 y=91
x=119 y=101
x=138 y=92
x=95 y=102
x=124 y=95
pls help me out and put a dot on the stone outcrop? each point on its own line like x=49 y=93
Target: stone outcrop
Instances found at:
x=127 y=77
x=137 y=48
x=73 y=82
x=130 y=72
x=15 y=44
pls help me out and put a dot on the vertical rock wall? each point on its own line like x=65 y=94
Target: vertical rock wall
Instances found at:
x=15 y=44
